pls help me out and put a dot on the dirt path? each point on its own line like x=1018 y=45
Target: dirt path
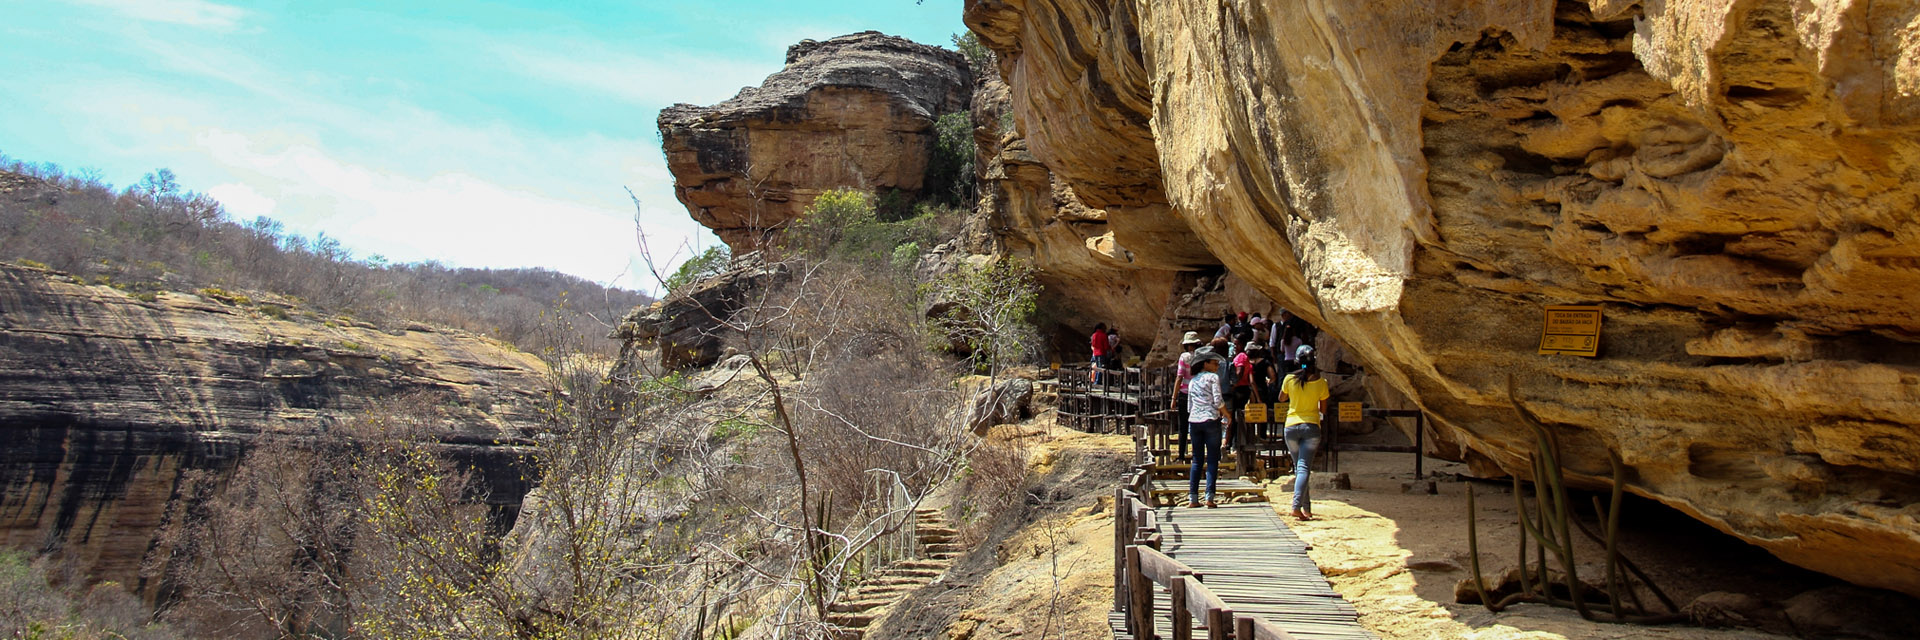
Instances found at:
x=1398 y=557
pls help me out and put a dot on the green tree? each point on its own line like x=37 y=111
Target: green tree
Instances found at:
x=706 y=263
x=950 y=169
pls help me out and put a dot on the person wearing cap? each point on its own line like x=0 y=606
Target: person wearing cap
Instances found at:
x=1206 y=412
x=1305 y=393
x=1183 y=373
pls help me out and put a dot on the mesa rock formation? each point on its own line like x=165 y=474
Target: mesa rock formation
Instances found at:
x=106 y=400
x=1732 y=182
x=854 y=111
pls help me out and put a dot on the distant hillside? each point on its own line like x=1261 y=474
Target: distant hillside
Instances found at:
x=154 y=236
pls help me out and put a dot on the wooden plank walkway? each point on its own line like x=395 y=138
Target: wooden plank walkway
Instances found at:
x=1246 y=554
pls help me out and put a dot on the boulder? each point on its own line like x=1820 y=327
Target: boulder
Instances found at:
x=1007 y=402
x=688 y=327
x=854 y=111
x=1731 y=182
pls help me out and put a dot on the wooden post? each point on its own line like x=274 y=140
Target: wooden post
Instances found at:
x=1141 y=610
x=1177 y=604
x=1419 y=445
x=1219 y=624
x=1121 y=529
x=1243 y=628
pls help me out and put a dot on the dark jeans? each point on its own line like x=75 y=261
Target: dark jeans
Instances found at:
x=1206 y=454
x=1236 y=402
x=1180 y=417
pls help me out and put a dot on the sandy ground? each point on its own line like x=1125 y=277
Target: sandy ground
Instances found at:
x=1399 y=556
x=1045 y=571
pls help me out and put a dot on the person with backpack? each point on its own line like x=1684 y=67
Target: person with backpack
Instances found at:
x=1306 y=394
x=1183 y=374
x=1206 y=414
x=1100 y=348
x=1242 y=388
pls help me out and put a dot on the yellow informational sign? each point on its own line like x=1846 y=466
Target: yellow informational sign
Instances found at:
x=1349 y=412
x=1571 y=331
x=1055 y=366
x=1255 y=412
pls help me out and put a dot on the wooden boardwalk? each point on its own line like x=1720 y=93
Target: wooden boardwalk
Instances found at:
x=1246 y=555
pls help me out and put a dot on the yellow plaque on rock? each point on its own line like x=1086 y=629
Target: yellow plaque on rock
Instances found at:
x=1349 y=412
x=1571 y=331
x=1255 y=412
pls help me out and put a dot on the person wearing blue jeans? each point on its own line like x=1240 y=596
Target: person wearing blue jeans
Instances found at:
x=1305 y=393
x=1206 y=412
x=1302 y=440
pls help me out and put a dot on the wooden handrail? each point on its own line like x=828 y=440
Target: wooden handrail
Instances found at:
x=1161 y=568
x=1140 y=566
x=1260 y=629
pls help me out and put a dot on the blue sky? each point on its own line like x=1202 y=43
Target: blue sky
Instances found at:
x=484 y=134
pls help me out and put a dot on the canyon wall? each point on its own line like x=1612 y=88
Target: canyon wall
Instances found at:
x=854 y=111
x=1731 y=181
x=107 y=399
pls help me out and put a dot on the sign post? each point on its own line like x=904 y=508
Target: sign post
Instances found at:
x=1571 y=330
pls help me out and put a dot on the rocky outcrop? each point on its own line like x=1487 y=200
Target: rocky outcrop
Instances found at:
x=1732 y=182
x=854 y=111
x=107 y=399
x=689 y=328
x=1027 y=213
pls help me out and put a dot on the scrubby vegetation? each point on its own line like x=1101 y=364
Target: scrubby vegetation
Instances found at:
x=155 y=236
x=664 y=508
x=41 y=600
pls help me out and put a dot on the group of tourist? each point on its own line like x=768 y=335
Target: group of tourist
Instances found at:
x=1216 y=379
x=1106 y=351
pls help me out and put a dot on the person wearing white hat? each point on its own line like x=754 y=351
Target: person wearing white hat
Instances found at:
x=1183 y=373
x=1206 y=414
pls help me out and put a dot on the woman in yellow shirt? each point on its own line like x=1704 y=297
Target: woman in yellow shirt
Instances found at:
x=1305 y=393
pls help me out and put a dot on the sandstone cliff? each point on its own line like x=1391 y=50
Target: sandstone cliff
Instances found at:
x=854 y=111
x=106 y=399
x=1731 y=181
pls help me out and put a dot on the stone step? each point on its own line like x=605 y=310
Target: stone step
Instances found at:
x=883 y=592
x=920 y=564
x=925 y=574
x=936 y=538
x=892 y=581
x=852 y=620
x=843 y=633
x=944 y=556
x=944 y=547
x=856 y=606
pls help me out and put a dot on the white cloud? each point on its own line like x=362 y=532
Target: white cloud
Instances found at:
x=241 y=201
x=192 y=13
x=654 y=80
x=454 y=217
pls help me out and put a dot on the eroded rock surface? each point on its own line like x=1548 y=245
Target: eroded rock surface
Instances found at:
x=105 y=400
x=854 y=111
x=1733 y=182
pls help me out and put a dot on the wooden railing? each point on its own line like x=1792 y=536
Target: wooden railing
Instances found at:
x=1140 y=568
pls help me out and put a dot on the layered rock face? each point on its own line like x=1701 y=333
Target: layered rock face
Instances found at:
x=854 y=111
x=1732 y=182
x=1027 y=213
x=105 y=400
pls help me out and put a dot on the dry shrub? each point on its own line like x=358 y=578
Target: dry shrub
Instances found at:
x=992 y=483
x=37 y=600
